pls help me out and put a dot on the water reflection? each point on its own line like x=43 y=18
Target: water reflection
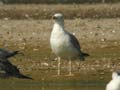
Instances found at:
x=51 y=86
x=73 y=88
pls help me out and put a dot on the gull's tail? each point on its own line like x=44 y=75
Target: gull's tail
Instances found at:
x=85 y=54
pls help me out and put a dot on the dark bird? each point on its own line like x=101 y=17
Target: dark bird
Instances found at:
x=7 y=67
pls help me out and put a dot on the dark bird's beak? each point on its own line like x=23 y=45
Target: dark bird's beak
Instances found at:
x=21 y=53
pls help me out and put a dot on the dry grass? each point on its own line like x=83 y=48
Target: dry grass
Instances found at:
x=70 y=11
x=57 y=1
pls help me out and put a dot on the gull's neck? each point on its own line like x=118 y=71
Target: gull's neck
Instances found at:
x=114 y=75
x=58 y=26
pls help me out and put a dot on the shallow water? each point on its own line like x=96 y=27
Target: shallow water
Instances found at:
x=38 y=85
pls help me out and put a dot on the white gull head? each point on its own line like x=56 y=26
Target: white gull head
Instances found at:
x=58 y=17
x=114 y=84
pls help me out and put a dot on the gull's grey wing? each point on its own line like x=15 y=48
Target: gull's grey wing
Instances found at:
x=74 y=41
x=76 y=44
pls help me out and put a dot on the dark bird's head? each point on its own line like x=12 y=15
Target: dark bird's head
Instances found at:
x=18 y=52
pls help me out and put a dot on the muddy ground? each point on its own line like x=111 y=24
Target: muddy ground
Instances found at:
x=70 y=11
x=98 y=37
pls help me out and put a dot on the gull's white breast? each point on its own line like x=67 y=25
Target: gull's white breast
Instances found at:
x=61 y=44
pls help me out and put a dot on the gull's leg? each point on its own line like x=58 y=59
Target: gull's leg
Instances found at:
x=70 y=68
x=58 y=72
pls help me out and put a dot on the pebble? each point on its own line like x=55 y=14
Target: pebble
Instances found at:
x=113 y=31
x=27 y=16
x=33 y=33
x=35 y=49
x=74 y=34
x=91 y=32
x=44 y=64
x=6 y=19
x=21 y=47
x=102 y=39
x=103 y=34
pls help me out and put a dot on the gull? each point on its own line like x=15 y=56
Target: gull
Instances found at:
x=64 y=44
x=114 y=84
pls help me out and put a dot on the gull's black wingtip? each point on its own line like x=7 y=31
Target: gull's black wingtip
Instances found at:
x=85 y=54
